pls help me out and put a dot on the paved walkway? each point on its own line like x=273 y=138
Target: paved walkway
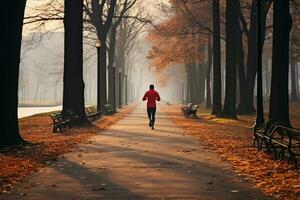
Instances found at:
x=130 y=161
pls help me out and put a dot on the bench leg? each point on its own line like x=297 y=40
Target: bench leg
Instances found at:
x=69 y=125
x=268 y=147
x=292 y=158
x=255 y=141
x=56 y=128
x=260 y=144
x=61 y=128
x=276 y=153
x=274 y=149
x=64 y=127
x=281 y=154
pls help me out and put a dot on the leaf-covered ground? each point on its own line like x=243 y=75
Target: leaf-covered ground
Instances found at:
x=18 y=162
x=232 y=139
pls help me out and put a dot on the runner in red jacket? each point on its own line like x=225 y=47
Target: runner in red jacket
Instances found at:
x=152 y=96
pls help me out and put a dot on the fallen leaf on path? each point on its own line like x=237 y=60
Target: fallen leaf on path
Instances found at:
x=209 y=188
x=232 y=140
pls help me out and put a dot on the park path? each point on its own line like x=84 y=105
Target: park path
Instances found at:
x=130 y=161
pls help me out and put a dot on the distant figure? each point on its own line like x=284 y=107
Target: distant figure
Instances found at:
x=152 y=96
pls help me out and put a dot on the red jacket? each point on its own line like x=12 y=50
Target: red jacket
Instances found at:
x=152 y=96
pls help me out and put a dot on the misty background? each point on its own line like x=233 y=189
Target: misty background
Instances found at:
x=41 y=69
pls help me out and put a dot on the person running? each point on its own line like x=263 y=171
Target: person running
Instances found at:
x=151 y=96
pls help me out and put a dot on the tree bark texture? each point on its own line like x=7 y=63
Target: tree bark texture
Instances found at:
x=73 y=84
x=229 y=109
x=217 y=82
x=208 y=74
x=11 y=22
x=279 y=100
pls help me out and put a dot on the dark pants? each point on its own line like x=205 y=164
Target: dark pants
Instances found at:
x=151 y=114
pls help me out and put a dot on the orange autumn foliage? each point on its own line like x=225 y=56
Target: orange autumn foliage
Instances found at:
x=178 y=40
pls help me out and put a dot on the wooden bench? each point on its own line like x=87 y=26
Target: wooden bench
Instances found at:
x=60 y=123
x=63 y=121
x=190 y=110
x=186 y=107
x=109 y=109
x=285 y=139
x=261 y=134
x=92 y=113
x=189 y=105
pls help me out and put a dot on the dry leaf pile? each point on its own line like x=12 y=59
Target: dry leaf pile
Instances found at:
x=17 y=162
x=232 y=139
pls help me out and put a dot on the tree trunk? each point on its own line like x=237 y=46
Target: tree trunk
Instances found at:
x=208 y=74
x=267 y=75
x=251 y=59
x=252 y=50
x=242 y=107
x=11 y=22
x=297 y=79
x=293 y=65
x=188 y=88
x=191 y=83
x=202 y=72
x=198 y=96
x=279 y=101
x=102 y=27
x=200 y=78
x=217 y=86
x=102 y=72
x=229 y=109
x=111 y=55
x=122 y=64
x=73 y=94
x=196 y=81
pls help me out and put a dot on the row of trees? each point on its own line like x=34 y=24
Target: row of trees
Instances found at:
x=202 y=35
x=94 y=20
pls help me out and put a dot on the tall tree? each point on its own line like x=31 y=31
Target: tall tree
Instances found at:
x=294 y=80
x=111 y=67
x=251 y=61
x=73 y=96
x=259 y=82
x=279 y=100
x=128 y=40
x=121 y=9
x=229 y=109
x=101 y=13
x=242 y=107
x=208 y=74
x=217 y=90
x=246 y=106
x=11 y=22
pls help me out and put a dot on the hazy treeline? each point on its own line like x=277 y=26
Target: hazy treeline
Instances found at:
x=65 y=74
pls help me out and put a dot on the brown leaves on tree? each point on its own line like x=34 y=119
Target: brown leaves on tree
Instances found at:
x=179 y=38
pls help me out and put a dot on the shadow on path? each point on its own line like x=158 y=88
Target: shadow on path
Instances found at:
x=130 y=161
